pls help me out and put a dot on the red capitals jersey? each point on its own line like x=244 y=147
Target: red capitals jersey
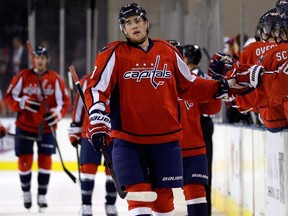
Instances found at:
x=275 y=78
x=79 y=114
x=273 y=117
x=275 y=57
x=276 y=88
x=143 y=88
x=192 y=142
x=271 y=110
x=275 y=63
x=277 y=113
x=25 y=83
x=252 y=53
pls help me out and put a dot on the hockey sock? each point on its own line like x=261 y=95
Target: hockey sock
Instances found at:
x=164 y=202
x=136 y=207
x=195 y=196
x=24 y=167
x=25 y=178
x=44 y=164
x=87 y=187
x=88 y=172
x=197 y=209
x=111 y=193
x=43 y=181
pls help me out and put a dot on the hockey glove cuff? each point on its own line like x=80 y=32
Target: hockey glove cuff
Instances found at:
x=53 y=117
x=74 y=132
x=220 y=64
x=29 y=104
x=248 y=75
x=222 y=92
x=99 y=131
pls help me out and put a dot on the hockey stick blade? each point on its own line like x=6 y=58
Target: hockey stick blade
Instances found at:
x=141 y=196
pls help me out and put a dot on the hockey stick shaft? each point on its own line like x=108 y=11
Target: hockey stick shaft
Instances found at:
x=103 y=147
x=71 y=88
x=48 y=110
x=145 y=196
x=38 y=138
x=206 y=53
x=24 y=137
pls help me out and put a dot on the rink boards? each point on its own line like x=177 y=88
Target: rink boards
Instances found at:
x=250 y=171
x=249 y=167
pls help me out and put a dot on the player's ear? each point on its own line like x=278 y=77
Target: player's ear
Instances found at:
x=125 y=33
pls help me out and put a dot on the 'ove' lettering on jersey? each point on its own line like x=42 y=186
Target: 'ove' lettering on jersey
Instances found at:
x=150 y=74
x=261 y=50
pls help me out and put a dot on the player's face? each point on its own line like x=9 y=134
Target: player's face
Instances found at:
x=41 y=62
x=135 y=28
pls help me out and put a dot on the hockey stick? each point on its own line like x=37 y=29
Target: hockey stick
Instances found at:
x=38 y=138
x=206 y=53
x=47 y=110
x=71 y=88
x=143 y=196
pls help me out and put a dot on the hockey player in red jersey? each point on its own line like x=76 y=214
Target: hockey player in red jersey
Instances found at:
x=195 y=164
x=273 y=78
x=271 y=113
x=196 y=172
x=89 y=159
x=141 y=79
x=24 y=97
x=192 y=57
x=271 y=107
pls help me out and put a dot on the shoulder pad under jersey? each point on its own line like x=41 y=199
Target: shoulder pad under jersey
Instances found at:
x=110 y=46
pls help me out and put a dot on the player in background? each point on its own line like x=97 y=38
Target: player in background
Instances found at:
x=271 y=108
x=141 y=79
x=192 y=57
x=275 y=76
x=89 y=159
x=196 y=143
x=252 y=52
x=271 y=114
x=24 y=97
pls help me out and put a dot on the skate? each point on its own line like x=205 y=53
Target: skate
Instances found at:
x=86 y=210
x=42 y=203
x=111 y=210
x=27 y=199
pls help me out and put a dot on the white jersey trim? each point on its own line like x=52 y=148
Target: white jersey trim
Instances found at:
x=196 y=201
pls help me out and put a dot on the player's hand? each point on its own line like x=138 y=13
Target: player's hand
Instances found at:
x=26 y=103
x=2 y=131
x=248 y=75
x=235 y=89
x=74 y=132
x=99 y=131
x=229 y=88
x=222 y=92
x=220 y=64
x=52 y=117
